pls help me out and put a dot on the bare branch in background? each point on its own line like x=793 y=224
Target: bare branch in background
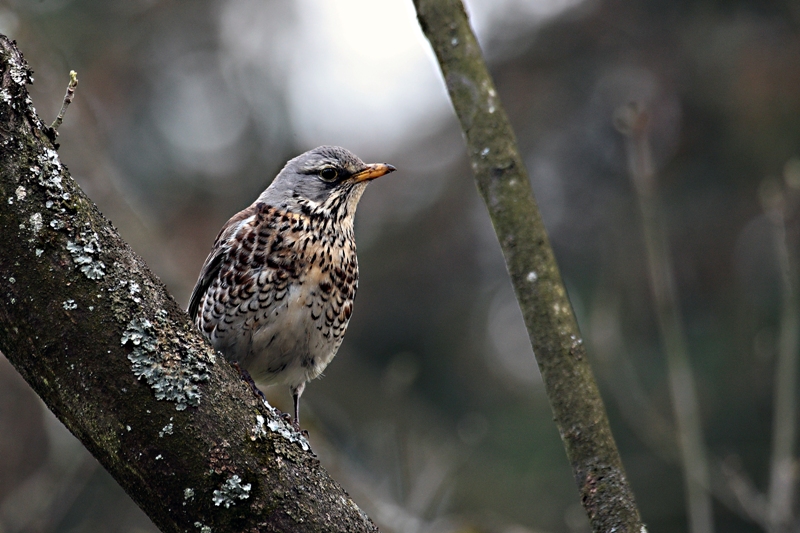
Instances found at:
x=503 y=182
x=748 y=498
x=632 y=121
x=782 y=475
x=729 y=484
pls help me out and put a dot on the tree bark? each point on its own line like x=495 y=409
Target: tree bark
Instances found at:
x=560 y=353
x=98 y=337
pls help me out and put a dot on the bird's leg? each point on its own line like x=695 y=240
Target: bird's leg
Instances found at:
x=296 y=392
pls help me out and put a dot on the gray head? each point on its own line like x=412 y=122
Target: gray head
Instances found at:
x=326 y=181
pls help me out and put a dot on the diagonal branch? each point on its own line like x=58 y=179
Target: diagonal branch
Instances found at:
x=503 y=182
x=98 y=337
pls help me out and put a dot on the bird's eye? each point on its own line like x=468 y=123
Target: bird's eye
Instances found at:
x=328 y=174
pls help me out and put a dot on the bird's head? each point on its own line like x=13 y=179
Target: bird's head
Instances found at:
x=326 y=181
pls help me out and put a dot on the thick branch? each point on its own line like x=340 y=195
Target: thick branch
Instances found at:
x=503 y=183
x=98 y=337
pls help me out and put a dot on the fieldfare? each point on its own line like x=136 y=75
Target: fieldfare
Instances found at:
x=276 y=292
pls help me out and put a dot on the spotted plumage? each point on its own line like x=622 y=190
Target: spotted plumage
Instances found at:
x=276 y=292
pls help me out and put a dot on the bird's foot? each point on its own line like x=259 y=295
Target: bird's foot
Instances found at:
x=297 y=428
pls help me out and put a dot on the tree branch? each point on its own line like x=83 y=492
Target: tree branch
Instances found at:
x=633 y=122
x=783 y=473
x=98 y=337
x=503 y=182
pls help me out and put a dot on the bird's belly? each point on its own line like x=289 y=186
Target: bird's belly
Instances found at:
x=288 y=347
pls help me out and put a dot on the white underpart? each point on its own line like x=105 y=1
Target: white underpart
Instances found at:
x=288 y=324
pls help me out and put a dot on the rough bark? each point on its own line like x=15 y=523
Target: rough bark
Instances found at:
x=503 y=182
x=99 y=338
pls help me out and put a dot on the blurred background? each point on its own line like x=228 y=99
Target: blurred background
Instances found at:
x=433 y=415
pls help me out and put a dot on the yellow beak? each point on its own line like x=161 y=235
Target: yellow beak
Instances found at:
x=375 y=170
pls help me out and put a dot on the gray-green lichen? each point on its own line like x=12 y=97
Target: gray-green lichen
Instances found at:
x=122 y=294
x=260 y=430
x=48 y=172
x=230 y=491
x=19 y=72
x=280 y=427
x=36 y=223
x=173 y=378
x=84 y=254
x=166 y=430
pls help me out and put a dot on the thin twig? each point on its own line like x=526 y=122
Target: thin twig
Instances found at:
x=73 y=84
x=632 y=121
x=633 y=402
x=728 y=485
x=750 y=500
x=784 y=426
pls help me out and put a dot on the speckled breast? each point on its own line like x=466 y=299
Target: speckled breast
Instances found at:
x=281 y=302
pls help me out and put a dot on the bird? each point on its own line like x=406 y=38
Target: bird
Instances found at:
x=276 y=292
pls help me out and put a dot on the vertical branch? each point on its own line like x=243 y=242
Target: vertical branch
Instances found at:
x=503 y=182
x=632 y=121
x=784 y=425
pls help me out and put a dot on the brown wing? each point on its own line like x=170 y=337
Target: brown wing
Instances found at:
x=221 y=249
